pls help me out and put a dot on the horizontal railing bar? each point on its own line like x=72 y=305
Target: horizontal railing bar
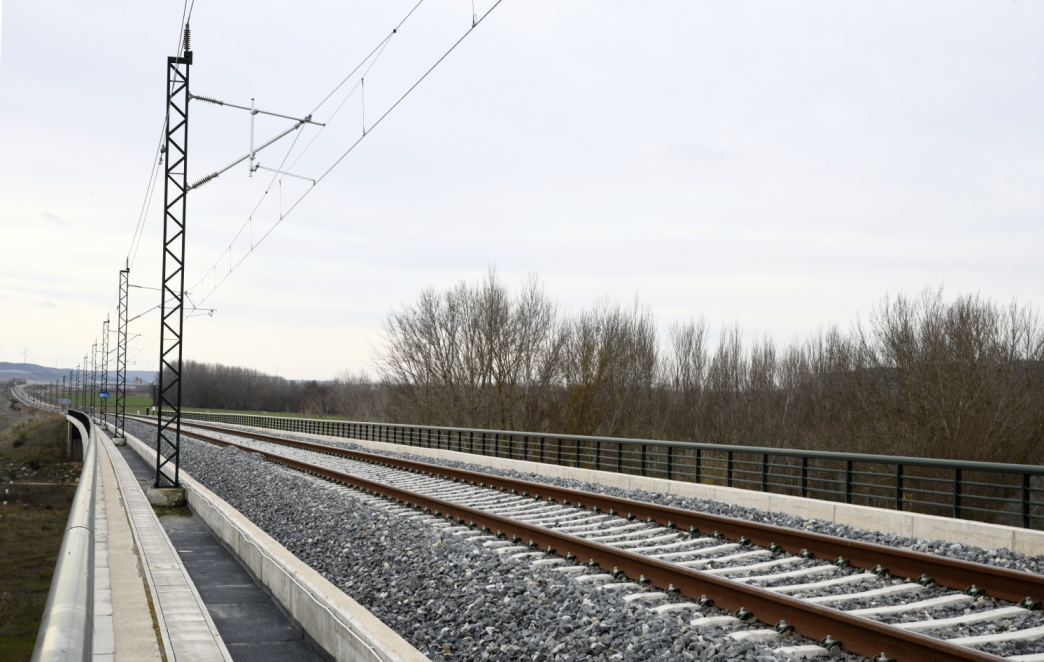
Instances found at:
x=993 y=467
x=1009 y=513
x=855 y=478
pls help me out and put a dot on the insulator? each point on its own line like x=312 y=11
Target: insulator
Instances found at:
x=208 y=100
x=188 y=38
x=203 y=181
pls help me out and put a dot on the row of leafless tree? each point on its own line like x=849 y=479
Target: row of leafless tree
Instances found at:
x=216 y=386
x=922 y=376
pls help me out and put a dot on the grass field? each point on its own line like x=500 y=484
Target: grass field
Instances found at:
x=133 y=401
x=32 y=520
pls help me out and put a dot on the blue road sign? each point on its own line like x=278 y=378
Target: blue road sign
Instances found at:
x=103 y=394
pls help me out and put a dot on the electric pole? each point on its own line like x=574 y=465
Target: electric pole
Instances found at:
x=105 y=372
x=175 y=189
x=94 y=377
x=121 y=354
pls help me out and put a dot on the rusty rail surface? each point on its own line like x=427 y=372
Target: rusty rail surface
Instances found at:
x=858 y=634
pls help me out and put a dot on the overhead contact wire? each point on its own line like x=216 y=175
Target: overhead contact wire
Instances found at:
x=372 y=57
x=283 y=216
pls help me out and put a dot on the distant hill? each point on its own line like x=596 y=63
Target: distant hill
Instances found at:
x=38 y=373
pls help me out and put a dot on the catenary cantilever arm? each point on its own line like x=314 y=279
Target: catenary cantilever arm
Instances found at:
x=306 y=119
x=246 y=156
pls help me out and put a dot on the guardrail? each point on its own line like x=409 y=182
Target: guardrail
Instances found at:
x=30 y=399
x=66 y=631
x=1011 y=494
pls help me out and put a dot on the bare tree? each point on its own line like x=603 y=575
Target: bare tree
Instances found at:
x=357 y=397
x=473 y=356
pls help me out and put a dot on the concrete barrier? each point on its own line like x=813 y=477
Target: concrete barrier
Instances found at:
x=342 y=628
x=66 y=628
x=914 y=525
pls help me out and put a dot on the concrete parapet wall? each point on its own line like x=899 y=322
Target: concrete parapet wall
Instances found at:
x=336 y=623
x=914 y=525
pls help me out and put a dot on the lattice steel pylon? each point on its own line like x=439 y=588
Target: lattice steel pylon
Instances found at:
x=172 y=292
x=105 y=370
x=121 y=353
x=94 y=378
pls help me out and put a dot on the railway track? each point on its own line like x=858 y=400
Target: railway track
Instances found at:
x=795 y=579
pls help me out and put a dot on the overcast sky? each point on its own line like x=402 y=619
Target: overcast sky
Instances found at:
x=779 y=165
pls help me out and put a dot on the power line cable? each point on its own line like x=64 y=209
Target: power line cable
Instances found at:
x=370 y=57
x=476 y=22
x=139 y=228
x=186 y=11
x=276 y=178
x=395 y=30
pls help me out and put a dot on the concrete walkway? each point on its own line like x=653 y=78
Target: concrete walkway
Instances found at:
x=179 y=616
x=124 y=630
x=252 y=627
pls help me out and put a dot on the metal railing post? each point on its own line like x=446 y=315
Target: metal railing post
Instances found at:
x=1025 y=501
x=898 y=486
x=1015 y=478
x=804 y=477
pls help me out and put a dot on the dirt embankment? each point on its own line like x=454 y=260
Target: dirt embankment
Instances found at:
x=37 y=483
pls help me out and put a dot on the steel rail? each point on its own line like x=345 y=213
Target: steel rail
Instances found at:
x=1007 y=491
x=857 y=634
x=1003 y=583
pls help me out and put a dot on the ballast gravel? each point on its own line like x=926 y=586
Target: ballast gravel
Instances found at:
x=1002 y=558
x=448 y=596
x=554 y=602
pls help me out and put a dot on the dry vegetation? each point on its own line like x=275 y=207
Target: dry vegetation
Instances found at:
x=37 y=490
x=922 y=376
